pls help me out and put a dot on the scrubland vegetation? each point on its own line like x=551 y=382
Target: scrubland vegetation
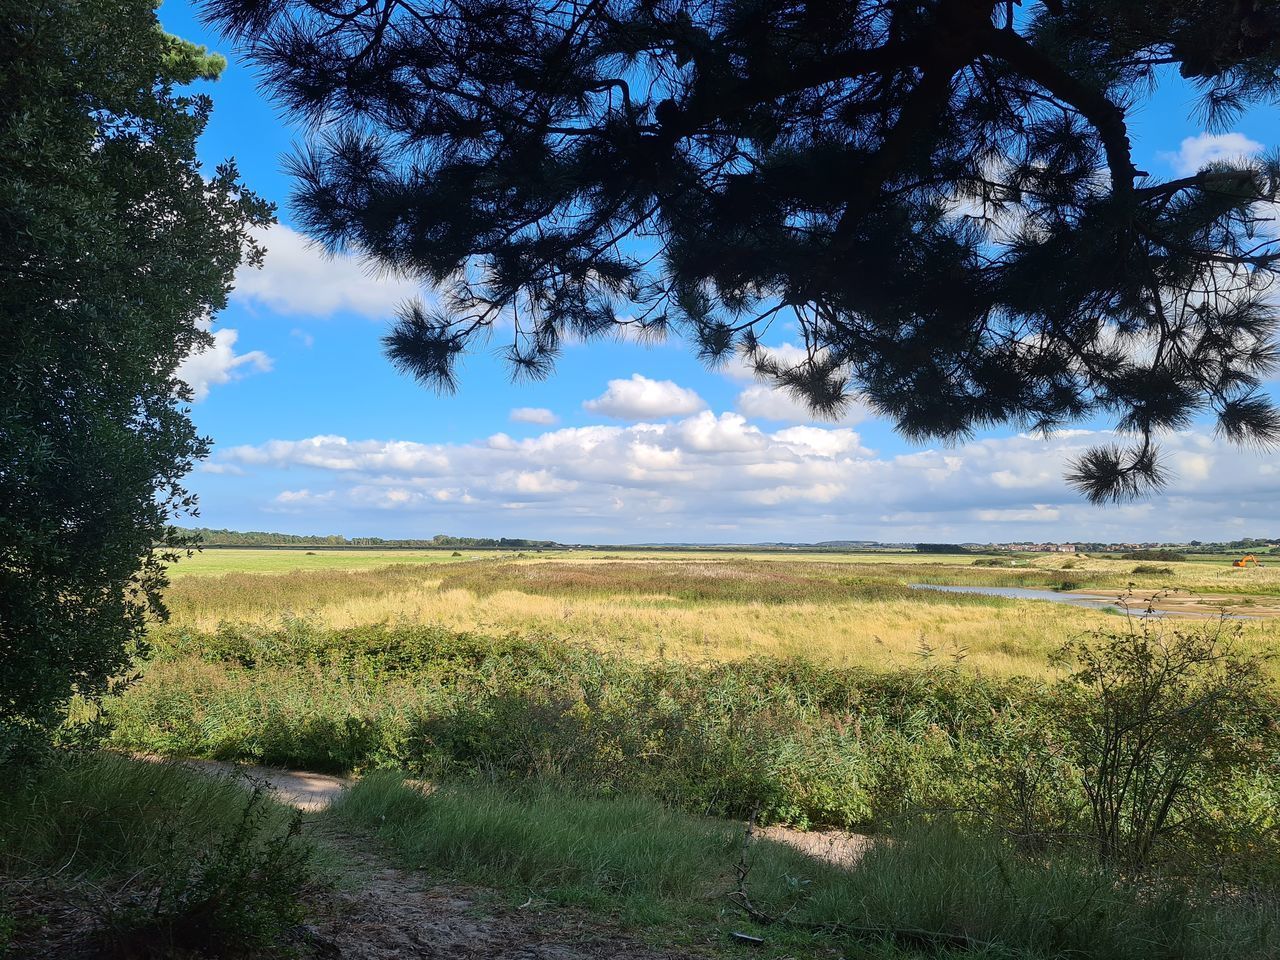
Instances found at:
x=593 y=731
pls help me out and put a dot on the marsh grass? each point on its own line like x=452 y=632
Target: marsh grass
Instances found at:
x=657 y=868
x=804 y=742
x=847 y=612
x=721 y=581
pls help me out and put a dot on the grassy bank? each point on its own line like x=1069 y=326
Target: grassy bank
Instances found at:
x=932 y=891
x=134 y=858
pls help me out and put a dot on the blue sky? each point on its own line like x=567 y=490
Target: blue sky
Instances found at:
x=315 y=433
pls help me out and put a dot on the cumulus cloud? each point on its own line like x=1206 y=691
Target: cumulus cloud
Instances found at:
x=762 y=402
x=219 y=363
x=643 y=399
x=739 y=368
x=299 y=279
x=689 y=478
x=299 y=501
x=1197 y=152
x=539 y=415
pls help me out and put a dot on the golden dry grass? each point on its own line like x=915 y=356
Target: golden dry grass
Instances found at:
x=834 y=610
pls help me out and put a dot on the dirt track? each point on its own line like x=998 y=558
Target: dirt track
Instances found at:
x=387 y=912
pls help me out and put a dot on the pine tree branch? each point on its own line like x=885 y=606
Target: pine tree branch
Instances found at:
x=1106 y=117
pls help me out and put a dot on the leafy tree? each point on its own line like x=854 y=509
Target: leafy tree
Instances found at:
x=116 y=249
x=939 y=194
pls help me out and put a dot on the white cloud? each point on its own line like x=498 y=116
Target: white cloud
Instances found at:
x=302 y=496
x=298 y=278
x=641 y=399
x=739 y=368
x=307 y=339
x=539 y=415
x=219 y=363
x=1039 y=513
x=1199 y=151
x=228 y=469
x=688 y=478
x=299 y=501
x=763 y=402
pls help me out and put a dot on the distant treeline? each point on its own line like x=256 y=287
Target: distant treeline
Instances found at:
x=941 y=548
x=260 y=538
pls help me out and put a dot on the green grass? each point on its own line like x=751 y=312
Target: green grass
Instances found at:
x=104 y=816
x=671 y=875
x=160 y=853
x=216 y=561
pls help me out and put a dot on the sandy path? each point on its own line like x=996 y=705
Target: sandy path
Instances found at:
x=308 y=792
x=395 y=914
x=388 y=913
x=312 y=792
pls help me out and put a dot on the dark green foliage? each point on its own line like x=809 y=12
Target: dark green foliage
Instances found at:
x=115 y=247
x=951 y=548
x=941 y=197
x=1152 y=570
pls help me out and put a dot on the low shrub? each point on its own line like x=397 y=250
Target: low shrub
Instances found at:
x=1168 y=556
x=239 y=896
x=1152 y=569
x=1162 y=724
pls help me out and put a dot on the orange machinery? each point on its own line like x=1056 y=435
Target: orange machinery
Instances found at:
x=1245 y=561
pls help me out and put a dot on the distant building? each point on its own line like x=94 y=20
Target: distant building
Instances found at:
x=1037 y=547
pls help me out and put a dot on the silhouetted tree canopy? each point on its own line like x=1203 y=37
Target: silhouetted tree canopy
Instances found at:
x=940 y=194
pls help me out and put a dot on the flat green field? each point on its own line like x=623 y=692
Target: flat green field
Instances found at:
x=213 y=562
